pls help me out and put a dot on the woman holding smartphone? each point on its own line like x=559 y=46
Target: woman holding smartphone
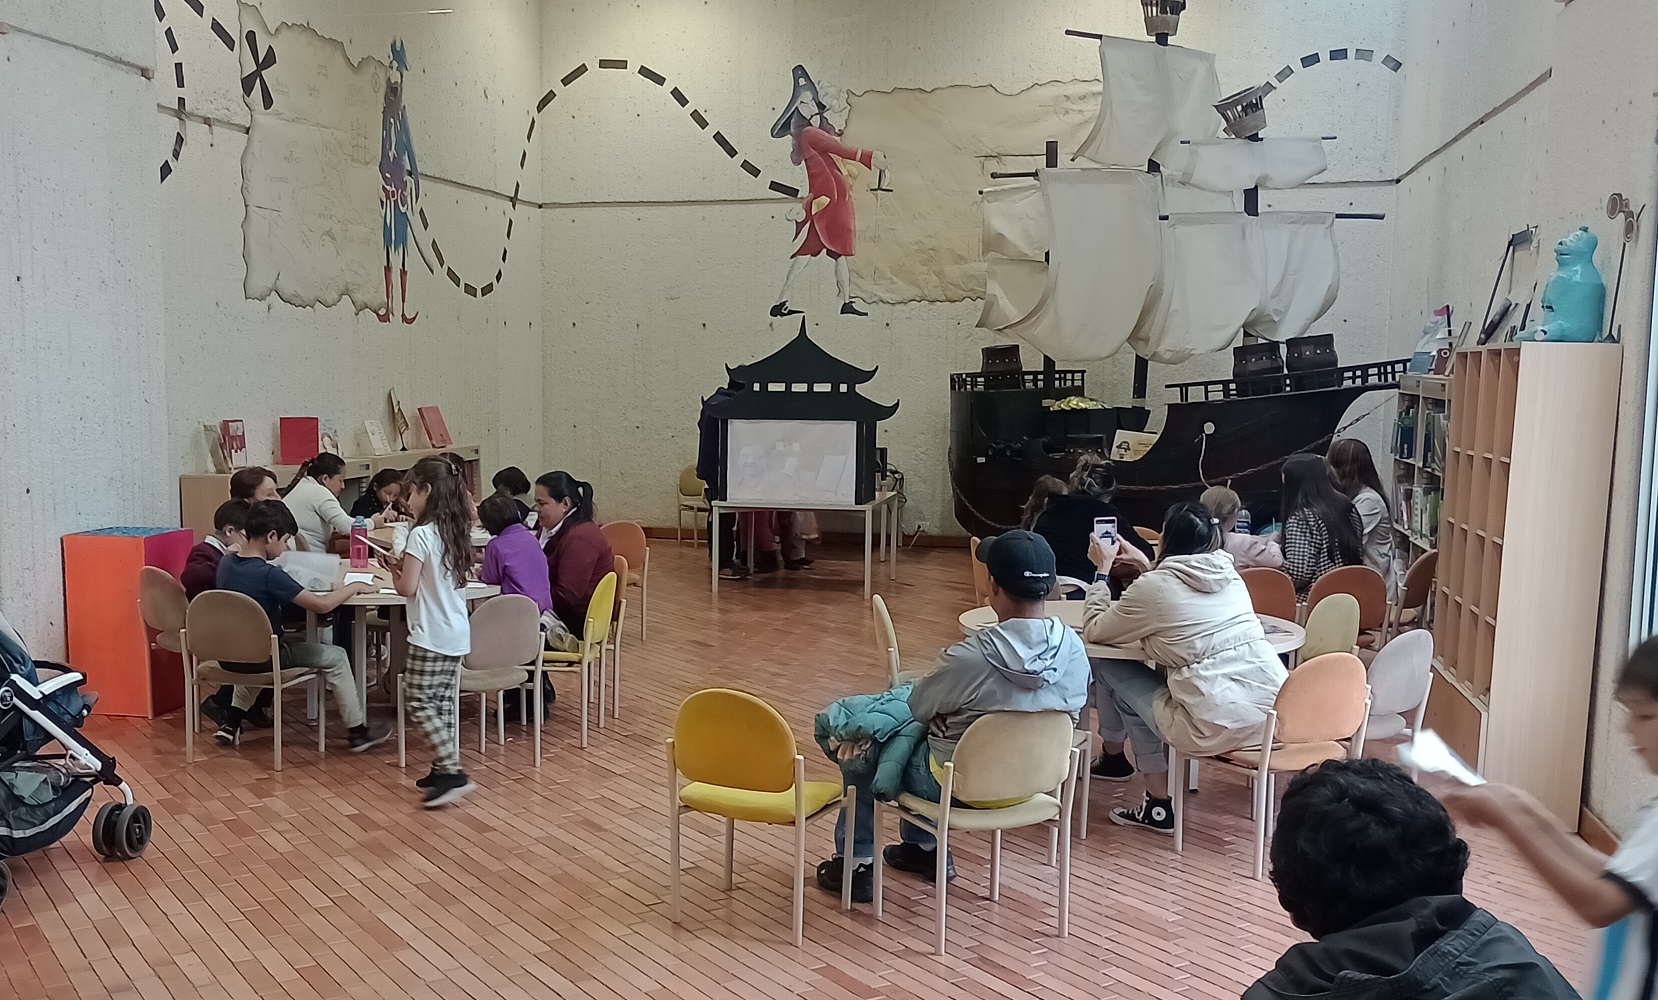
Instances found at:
x=1069 y=521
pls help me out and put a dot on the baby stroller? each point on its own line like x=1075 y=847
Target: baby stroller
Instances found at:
x=43 y=796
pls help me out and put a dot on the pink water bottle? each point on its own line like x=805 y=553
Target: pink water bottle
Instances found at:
x=359 y=544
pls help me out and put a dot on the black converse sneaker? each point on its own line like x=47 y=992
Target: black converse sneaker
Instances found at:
x=447 y=788
x=1112 y=767
x=830 y=874
x=1154 y=814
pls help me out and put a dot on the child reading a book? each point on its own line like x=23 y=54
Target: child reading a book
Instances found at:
x=1618 y=893
x=270 y=529
x=432 y=574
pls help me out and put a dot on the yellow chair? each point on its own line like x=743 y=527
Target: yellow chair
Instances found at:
x=692 y=499
x=224 y=626
x=1332 y=627
x=585 y=661
x=613 y=649
x=740 y=760
x=627 y=539
x=1025 y=759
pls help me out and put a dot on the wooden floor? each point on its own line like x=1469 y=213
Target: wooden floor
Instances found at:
x=327 y=881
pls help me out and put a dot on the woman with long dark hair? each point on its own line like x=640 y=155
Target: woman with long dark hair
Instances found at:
x=1322 y=530
x=578 y=556
x=1356 y=476
x=1067 y=521
x=1046 y=488
x=1215 y=675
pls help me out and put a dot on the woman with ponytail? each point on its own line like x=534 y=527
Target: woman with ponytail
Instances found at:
x=1215 y=675
x=578 y=556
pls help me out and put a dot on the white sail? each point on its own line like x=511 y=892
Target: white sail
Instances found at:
x=1103 y=248
x=1154 y=97
x=1015 y=221
x=1235 y=165
x=1178 y=197
x=1271 y=276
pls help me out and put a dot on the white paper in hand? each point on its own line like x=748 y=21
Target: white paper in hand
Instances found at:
x=1427 y=752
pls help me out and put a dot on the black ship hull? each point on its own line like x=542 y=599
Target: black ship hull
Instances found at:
x=1003 y=438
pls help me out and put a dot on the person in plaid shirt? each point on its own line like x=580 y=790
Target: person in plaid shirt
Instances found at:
x=1322 y=529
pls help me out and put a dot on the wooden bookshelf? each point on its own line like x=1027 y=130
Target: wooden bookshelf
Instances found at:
x=1527 y=479
x=1420 y=433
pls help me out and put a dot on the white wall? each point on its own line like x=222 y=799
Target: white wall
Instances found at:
x=1550 y=158
x=662 y=257
x=82 y=353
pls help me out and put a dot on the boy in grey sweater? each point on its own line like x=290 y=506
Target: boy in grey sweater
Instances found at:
x=1027 y=662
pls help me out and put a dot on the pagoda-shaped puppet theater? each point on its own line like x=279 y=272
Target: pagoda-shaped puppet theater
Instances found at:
x=798 y=430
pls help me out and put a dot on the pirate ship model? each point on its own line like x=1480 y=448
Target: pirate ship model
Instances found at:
x=1147 y=248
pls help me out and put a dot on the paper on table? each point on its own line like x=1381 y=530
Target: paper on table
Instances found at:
x=1427 y=752
x=359 y=578
x=388 y=590
x=311 y=570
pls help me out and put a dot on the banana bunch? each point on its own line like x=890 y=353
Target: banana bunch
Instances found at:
x=1075 y=403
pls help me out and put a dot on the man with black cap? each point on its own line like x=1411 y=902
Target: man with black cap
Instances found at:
x=1026 y=662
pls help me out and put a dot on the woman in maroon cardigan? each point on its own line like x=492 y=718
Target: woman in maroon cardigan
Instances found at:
x=578 y=556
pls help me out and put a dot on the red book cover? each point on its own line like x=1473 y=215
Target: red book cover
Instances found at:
x=437 y=431
x=298 y=439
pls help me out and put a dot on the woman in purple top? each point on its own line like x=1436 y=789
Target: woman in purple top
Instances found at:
x=513 y=560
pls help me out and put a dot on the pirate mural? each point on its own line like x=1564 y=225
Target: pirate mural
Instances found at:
x=824 y=222
x=399 y=182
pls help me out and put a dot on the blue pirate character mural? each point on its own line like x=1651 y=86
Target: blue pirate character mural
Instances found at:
x=399 y=183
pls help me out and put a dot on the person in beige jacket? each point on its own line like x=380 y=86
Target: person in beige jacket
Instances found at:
x=1211 y=676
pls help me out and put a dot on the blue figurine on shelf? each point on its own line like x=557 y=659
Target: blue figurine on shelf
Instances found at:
x=1574 y=302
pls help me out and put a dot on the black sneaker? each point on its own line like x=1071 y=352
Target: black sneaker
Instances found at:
x=1112 y=767
x=734 y=572
x=214 y=710
x=918 y=861
x=1154 y=814
x=863 y=879
x=447 y=788
x=365 y=736
x=229 y=734
x=794 y=565
x=426 y=782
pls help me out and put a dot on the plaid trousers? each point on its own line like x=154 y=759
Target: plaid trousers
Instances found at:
x=431 y=682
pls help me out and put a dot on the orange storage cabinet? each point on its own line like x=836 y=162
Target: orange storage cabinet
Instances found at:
x=107 y=638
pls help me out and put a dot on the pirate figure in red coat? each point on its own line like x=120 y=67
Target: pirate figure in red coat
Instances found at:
x=826 y=229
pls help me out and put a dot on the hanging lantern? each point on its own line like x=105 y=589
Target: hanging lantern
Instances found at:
x=1162 y=16
x=1245 y=112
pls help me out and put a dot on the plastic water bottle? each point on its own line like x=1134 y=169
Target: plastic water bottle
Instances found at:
x=1242 y=527
x=359 y=544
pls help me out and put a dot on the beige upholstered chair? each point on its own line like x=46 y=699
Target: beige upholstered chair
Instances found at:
x=162 y=604
x=741 y=762
x=506 y=639
x=1323 y=702
x=886 y=647
x=1026 y=758
x=1332 y=626
x=981 y=575
x=691 y=500
x=221 y=625
x=1414 y=594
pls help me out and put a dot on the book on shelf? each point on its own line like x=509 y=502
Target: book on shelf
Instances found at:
x=1404 y=435
x=233 y=442
x=378 y=442
x=437 y=432
x=299 y=439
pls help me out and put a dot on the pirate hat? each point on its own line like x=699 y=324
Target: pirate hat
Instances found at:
x=803 y=86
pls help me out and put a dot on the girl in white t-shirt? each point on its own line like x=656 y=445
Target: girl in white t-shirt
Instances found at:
x=432 y=575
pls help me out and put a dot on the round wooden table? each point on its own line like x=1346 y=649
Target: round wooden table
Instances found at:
x=1285 y=636
x=394 y=603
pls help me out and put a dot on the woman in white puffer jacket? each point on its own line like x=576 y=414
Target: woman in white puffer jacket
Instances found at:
x=1211 y=675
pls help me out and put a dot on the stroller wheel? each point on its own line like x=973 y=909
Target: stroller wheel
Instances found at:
x=105 y=831
x=132 y=832
x=5 y=884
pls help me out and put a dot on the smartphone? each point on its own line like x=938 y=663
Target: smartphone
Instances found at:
x=1105 y=528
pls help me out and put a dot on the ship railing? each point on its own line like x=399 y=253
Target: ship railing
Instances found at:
x=1376 y=375
x=983 y=381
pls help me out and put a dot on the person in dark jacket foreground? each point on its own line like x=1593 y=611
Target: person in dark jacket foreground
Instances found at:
x=1369 y=864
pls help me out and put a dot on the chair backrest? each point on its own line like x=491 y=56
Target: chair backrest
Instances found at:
x=621 y=592
x=225 y=625
x=1332 y=626
x=981 y=574
x=735 y=740
x=1012 y=755
x=886 y=639
x=1419 y=580
x=690 y=487
x=161 y=599
x=1322 y=700
x=1399 y=674
x=1151 y=535
x=506 y=632
x=600 y=612
x=627 y=540
x=1365 y=584
x=1271 y=591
